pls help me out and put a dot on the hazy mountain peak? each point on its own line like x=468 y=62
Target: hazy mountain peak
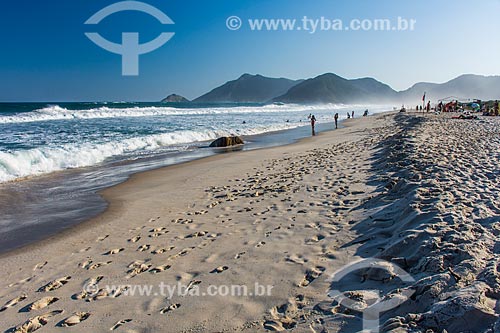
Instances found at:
x=248 y=88
x=463 y=87
x=332 y=88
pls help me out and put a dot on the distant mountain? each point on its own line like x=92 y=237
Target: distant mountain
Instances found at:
x=174 y=98
x=248 y=88
x=463 y=87
x=331 y=88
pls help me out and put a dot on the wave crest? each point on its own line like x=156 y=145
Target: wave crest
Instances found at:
x=56 y=112
x=38 y=161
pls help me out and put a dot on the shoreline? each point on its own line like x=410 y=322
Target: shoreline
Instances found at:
x=257 y=142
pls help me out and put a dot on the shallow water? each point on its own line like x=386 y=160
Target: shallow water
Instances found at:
x=87 y=154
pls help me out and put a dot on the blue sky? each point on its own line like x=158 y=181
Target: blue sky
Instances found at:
x=45 y=55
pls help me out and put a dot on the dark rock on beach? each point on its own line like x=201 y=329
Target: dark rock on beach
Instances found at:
x=227 y=142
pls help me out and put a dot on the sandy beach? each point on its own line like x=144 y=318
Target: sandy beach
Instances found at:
x=416 y=190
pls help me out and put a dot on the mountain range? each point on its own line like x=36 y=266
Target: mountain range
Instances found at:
x=248 y=89
x=331 y=88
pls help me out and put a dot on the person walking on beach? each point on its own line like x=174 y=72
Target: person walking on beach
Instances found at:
x=352 y=115
x=428 y=106
x=313 y=122
x=336 y=117
x=348 y=115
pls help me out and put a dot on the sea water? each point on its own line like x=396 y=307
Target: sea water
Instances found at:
x=55 y=157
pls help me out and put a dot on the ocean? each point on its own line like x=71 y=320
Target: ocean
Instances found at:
x=55 y=157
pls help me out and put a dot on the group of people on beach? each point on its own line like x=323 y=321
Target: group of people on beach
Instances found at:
x=490 y=108
x=313 y=120
x=426 y=108
x=492 y=111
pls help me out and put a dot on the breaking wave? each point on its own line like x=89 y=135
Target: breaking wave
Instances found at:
x=42 y=160
x=56 y=112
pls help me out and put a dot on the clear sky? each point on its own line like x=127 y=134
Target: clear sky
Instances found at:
x=45 y=56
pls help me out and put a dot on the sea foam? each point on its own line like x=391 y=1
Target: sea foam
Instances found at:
x=42 y=160
x=56 y=112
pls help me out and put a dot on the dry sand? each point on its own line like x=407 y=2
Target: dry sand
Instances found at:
x=419 y=191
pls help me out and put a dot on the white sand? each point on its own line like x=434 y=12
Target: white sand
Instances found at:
x=421 y=192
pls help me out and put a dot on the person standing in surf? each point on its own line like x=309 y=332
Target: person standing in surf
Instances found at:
x=313 y=123
x=336 y=117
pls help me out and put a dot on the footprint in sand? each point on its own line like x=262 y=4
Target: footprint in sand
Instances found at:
x=143 y=248
x=170 y=308
x=182 y=221
x=159 y=269
x=163 y=250
x=101 y=294
x=197 y=234
x=214 y=204
x=157 y=232
x=296 y=259
x=274 y=325
x=259 y=244
x=13 y=302
x=159 y=229
x=213 y=236
x=101 y=238
x=41 y=304
x=192 y=283
x=201 y=212
x=153 y=219
x=314 y=225
x=219 y=269
x=94 y=280
x=85 y=264
x=134 y=240
x=120 y=323
x=90 y=282
x=114 y=251
x=40 y=265
x=182 y=253
x=239 y=255
x=311 y=275
x=84 y=249
x=74 y=319
x=315 y=239
x=98 y=265
x=136 y=268
x=35 y=323
x=23 y=281
x=54 y=285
